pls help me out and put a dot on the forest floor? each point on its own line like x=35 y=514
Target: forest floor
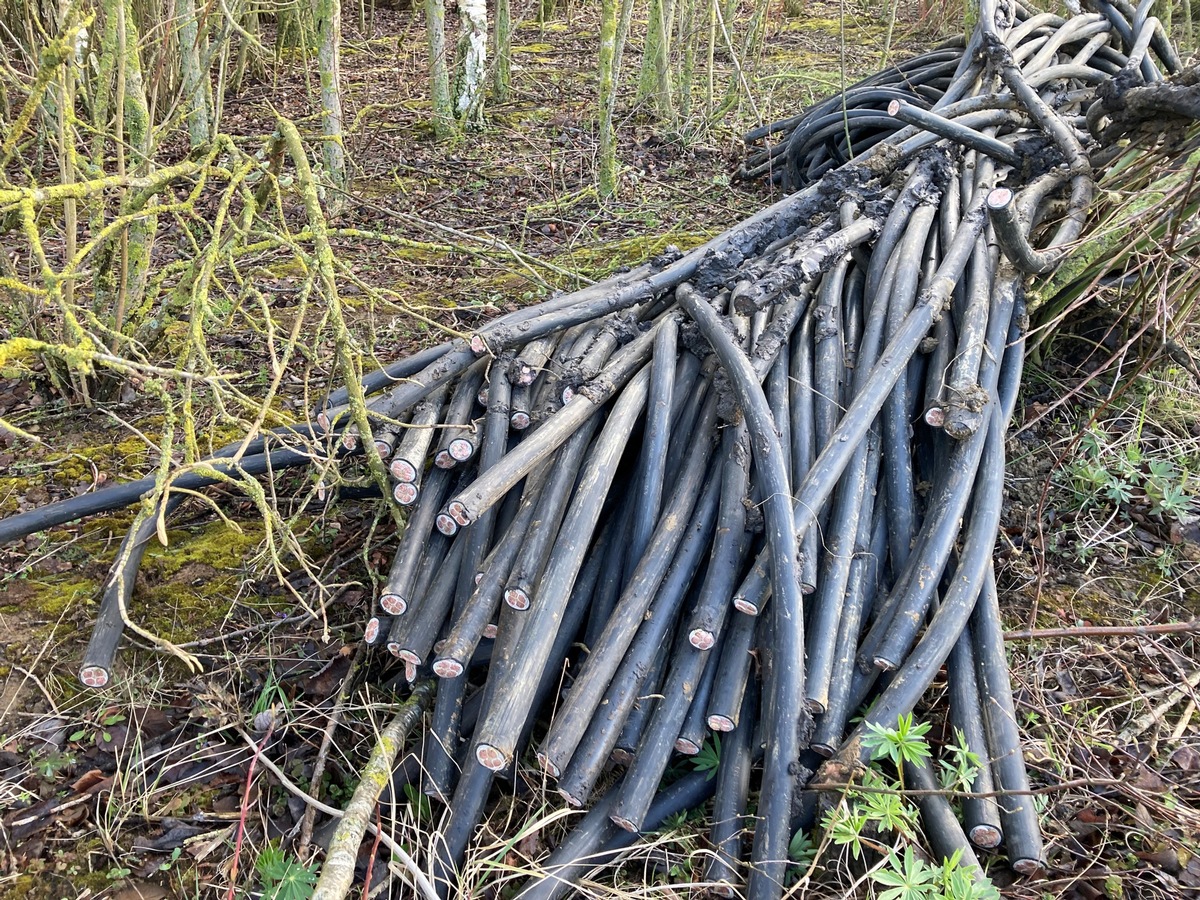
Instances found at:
x=138 y=790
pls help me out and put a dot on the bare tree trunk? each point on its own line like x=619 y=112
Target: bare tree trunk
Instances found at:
x=622 y=33
x=134 y=114
x=655 y=79
x=471 y=61
x=689 y=32
x=739 y=87
x=502 y=75
x=195 y=80
x=68 y=154
x=710 y=95
x=247 y=55
x=439 y=72
x=328 y=14
x=607 y=171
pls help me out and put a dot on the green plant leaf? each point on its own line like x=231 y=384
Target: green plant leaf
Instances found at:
x=709 y=757
x=845 y=828
x=903 y=743
x=910 y=878
x=801 y=849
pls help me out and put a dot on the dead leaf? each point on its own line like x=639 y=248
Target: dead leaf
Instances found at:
x=1143 y=817
x=140 y=890
x=531 y=846
x=1148 y=780
x=1191 y=873
x=1187 y=758
x=1166 y=859
x=326 y=682
x=88 y=780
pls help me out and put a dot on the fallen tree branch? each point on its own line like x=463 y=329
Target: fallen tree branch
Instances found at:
x=337 y=874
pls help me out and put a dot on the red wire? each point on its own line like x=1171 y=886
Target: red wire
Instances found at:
x=371 y=859
x=241 y=830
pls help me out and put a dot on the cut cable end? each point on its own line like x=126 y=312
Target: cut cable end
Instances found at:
x=491 y=757
x=94 y=676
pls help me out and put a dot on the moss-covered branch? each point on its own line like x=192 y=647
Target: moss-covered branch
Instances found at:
x=337 y=875
x=145 y=186
x=326 y=264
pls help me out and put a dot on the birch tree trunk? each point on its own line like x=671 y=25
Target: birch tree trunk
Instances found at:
x=439 y=72
x=471 y=61
x=195 y=81
x=328 y=14
x=607 y=169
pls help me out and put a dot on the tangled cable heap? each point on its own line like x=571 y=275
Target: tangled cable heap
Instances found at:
x=746 y=489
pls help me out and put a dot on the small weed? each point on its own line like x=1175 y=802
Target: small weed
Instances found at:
x=801 y=849
x=99 y=732
x=1121 y=471
x=418 y=803
x=912 y=878
x=709 y=756
x=903 y=743
x=877 y=821
x=54 y=762
x=284 y=877
x=958 y=772
x=888 y=810
x=845 y=825
x=909 y=878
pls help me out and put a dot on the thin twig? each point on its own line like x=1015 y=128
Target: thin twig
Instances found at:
x=306 y=825
x=248 y=630
x=975 y=795
x=1082 y=631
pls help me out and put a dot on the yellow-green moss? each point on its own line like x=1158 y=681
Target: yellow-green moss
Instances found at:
x=834 y=26
x=183 y=589
x=214 y=545
x=69 y=468
x=604 y=258
x=187 y=587
x=55 y=595
x=288 y=266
